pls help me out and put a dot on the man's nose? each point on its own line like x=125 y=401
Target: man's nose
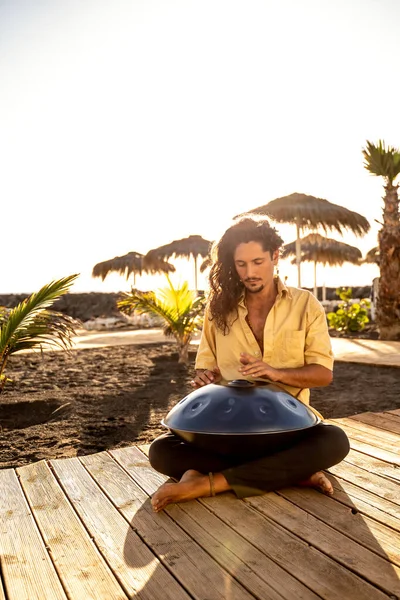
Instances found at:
x=251 y=271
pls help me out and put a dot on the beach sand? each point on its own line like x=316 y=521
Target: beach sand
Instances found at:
x=62 y=405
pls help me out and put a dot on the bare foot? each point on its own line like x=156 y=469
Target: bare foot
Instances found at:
x=192 y=484
x=320 y=482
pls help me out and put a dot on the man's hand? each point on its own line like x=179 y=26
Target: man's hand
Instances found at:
x=206 y=376
x=307 y=376
x=254 y=367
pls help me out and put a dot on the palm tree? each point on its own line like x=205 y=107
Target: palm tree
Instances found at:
x=30 y=324
x=384 y=162
x=178 y=307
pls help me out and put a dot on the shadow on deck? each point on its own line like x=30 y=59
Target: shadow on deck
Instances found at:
x=83 y=528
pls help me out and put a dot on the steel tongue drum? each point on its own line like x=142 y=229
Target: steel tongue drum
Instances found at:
x=239 y=416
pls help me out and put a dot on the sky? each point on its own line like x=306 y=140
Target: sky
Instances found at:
x=125 y=125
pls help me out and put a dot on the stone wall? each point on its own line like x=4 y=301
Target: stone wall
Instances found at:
x=99 y=305
x=85 y=306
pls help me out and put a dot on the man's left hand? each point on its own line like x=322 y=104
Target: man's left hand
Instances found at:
x=254 y=367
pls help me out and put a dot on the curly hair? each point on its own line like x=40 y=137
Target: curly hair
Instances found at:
x=225 y=285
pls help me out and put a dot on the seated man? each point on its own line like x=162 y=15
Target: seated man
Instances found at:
x=255 y=328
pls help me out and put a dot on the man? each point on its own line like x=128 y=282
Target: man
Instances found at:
x=255 y=328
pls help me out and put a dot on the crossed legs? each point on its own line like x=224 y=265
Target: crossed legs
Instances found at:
x=298 y=463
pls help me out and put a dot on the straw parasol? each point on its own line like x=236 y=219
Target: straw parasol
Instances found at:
x=207 y=262
x=192 y=246
x=319 y=249
x=372 y=256
x=133 y=262
x=309 y=212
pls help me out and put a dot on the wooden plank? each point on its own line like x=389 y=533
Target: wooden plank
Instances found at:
x=316 y=570
x=136 y=568
x=365 y=531
x=360 y=500
x=373 y=447
x=378 y=420
x=378 y=571
x=373 y=465
x=2 y=593
x=199 y=574
x=395 y=412
x=26 y=565
x=80 y=566
x=383 y=488
x=384 y=451
x=370 y=435
x=375 y=431
x=260 y=575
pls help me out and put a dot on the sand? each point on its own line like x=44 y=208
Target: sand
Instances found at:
x=62 y=405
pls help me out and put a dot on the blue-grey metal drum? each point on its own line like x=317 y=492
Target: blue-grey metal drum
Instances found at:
x=241 y=411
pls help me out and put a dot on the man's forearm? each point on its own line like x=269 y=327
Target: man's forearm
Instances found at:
x=308 y=376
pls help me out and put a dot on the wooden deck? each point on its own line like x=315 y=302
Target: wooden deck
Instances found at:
x=83 y=528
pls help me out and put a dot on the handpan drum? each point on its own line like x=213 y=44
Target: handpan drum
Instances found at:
x=239 y=417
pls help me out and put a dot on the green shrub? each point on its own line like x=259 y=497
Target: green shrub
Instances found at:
x=350 y=316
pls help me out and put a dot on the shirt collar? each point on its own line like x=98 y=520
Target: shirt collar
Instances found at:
x=283 y=290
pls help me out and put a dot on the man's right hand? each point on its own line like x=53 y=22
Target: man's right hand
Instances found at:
x=206 y=376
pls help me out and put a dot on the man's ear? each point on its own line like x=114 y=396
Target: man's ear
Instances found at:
x=275 y=257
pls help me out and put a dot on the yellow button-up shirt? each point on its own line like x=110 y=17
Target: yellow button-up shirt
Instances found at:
x=295 y=334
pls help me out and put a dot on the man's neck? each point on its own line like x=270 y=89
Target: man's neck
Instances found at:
x=265 y=297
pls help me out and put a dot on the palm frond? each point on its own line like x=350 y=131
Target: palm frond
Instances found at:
x=50 y=328
x=381 y=160
x=178 y=307
x=28 y=318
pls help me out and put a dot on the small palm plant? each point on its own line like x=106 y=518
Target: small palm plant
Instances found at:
x=179 y=308
x=30 y=324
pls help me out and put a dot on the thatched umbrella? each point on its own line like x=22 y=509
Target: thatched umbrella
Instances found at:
x=133 y=262
x=319 y=249
x=207 y=262
x=372 y=256
x=192 y=246
x=308 y=212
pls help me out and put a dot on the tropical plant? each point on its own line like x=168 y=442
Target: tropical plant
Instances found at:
x=179 y=308
x=384 y=162
x=31 y=324
x=350 y=316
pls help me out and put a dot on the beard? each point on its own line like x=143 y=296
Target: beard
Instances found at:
x=254 y=290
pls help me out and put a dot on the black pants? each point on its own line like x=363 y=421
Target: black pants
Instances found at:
x=288 y=463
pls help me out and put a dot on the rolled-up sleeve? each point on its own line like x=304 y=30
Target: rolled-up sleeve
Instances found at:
x=318 y=347
x=206 y=354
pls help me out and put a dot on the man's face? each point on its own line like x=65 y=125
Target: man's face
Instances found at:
x=254 y=266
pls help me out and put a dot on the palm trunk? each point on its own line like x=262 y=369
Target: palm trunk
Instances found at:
x=298 y=253
x=315 y=280
x=3 y=364
x=195 y=273
x=391 y=206
x=183 y=352
x=388 y=305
